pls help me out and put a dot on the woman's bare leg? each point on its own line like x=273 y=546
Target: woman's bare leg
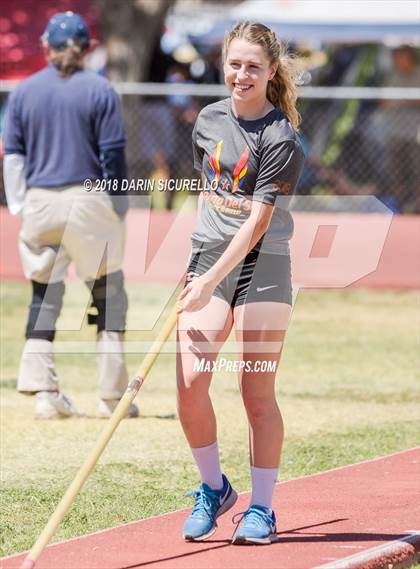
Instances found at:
x=260 y=331
x=200 y=336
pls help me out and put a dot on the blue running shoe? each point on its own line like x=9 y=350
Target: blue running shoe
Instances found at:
x=209 y=505
x=257 y=526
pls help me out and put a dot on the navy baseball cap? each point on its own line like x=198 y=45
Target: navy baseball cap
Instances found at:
x=65 y=29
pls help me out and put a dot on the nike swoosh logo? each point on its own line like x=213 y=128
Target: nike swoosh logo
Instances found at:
x=226 y=495
x=260 y=289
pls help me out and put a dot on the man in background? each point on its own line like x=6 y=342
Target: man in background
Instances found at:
x=63 y=127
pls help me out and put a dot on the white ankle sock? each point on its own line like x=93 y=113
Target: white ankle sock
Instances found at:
x=208 y=462
x=263 y=482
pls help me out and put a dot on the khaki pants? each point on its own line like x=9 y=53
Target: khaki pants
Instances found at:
x=69 y=224
x=61 y=225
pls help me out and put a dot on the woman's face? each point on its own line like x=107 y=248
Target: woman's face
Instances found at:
x=247 y=71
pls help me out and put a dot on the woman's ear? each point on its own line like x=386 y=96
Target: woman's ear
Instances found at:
x=273 y=70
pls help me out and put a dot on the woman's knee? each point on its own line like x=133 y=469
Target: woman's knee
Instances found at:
x=260 y=408
x=191 y=389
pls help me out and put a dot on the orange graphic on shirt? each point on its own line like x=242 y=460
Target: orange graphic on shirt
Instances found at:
x=215 y=164
x=240 y=170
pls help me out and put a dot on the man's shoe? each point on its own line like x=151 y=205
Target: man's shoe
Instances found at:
x=54 y=405
x=209 y=505
x=257 y=526
x=107 y=406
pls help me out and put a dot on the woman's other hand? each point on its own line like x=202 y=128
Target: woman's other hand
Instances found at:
x=196 y=295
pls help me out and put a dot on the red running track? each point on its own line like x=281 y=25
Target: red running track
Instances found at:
x=329 y=250
x=323 y=518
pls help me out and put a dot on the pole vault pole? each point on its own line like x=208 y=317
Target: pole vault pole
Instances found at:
x=90 y=462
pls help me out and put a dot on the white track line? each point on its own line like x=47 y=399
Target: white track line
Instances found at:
x=365 y=558
x=240 y=494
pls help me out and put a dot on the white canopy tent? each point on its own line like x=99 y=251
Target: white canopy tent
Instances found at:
x=352 y=20
x=331 y=11
x=338 y=21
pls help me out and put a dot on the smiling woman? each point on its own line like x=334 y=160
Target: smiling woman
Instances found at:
x=247 y=72
x=246 y=147
x=256 y=61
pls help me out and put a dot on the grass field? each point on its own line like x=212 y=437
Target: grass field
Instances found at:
x=347 y=386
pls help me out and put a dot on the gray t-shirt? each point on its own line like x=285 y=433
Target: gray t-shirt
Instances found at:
x=241 y=161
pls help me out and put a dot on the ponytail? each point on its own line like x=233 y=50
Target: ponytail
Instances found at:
x=282 y=89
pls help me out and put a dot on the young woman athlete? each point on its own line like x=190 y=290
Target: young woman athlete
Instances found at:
x=239 y=275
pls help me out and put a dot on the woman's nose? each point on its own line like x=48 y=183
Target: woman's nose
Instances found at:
x=242 y=73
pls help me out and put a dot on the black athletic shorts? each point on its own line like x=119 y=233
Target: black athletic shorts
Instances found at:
x=261 y=277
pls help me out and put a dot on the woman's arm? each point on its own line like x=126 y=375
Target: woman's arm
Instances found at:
x=198 y=293
x=247 y=237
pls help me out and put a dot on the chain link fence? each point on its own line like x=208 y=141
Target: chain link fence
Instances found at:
x=358 y=141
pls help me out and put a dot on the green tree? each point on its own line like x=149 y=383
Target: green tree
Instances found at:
x=130 y=29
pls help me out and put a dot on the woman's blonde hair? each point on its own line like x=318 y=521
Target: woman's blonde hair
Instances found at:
x=282 y=88
x=67 y=60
